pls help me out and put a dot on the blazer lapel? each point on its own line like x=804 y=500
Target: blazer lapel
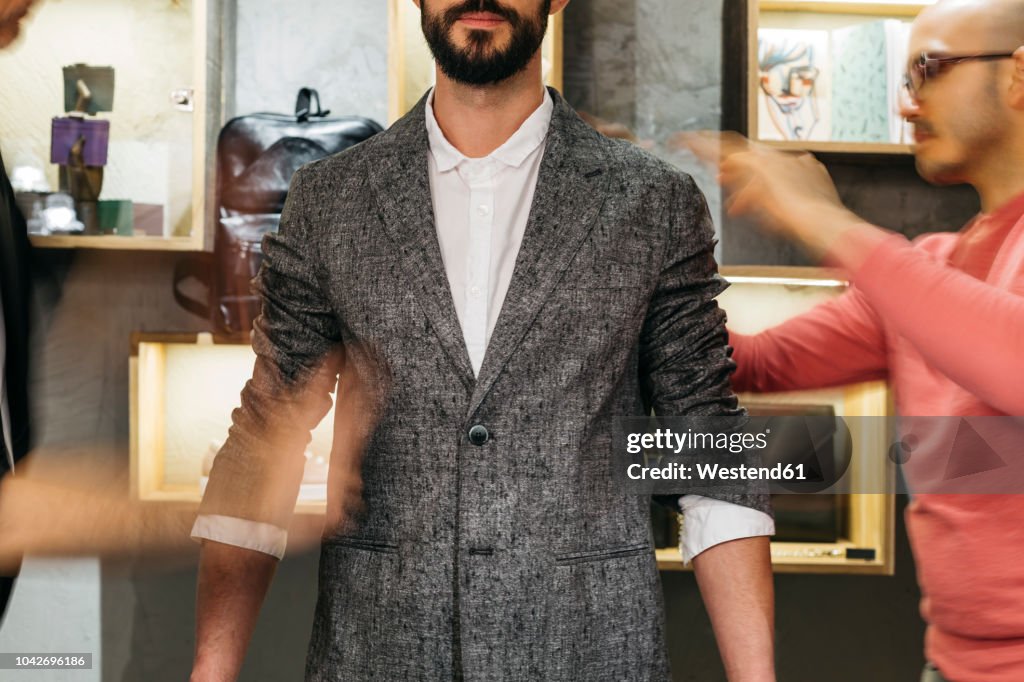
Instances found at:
x=569 y=196
x=399 y=179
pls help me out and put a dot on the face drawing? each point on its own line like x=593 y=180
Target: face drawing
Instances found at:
x=788 y=78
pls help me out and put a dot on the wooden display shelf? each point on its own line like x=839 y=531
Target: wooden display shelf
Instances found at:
x=116 y=242
x=895 y=8
x=183 y=388
x=866 y=148
x=792 y=557
x=761 y=297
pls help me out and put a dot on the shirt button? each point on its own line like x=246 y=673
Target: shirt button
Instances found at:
x=483 y=210
x=474 y=291
x=478 y=435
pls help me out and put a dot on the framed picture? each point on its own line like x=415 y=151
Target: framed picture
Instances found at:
x=411 y=66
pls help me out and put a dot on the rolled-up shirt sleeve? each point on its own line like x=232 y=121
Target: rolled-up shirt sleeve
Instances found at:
x=230 y=530
x=708 y=522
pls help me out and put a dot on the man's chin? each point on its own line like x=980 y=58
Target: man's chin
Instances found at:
x=939 y=173
x=482 y=44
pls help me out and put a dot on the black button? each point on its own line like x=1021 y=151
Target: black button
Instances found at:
x=478 y=435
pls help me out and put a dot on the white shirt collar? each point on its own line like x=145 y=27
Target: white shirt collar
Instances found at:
x=513 y=153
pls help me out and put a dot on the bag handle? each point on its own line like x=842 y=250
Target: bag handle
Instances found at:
x=303 y=102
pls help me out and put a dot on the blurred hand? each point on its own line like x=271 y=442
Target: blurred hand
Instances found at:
x=11 y=14
x=77 y=502
x=790 y=194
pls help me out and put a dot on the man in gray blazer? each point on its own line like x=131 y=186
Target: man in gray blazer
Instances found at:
x=519 y=280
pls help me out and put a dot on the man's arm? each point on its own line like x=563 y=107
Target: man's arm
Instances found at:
x=838 y=342
x=736 y=585
x=256 y=475
x=685 y=371
x=232 y=585
x=969 y=330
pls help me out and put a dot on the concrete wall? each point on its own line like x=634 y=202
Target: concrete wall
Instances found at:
x=338 y=47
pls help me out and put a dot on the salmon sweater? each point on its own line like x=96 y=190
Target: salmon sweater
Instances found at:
x=943 y=320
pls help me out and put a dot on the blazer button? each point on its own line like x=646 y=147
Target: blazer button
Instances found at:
x=478 y=435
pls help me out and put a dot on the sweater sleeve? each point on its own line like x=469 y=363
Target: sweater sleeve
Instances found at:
x=838 y=342
x=969 y=330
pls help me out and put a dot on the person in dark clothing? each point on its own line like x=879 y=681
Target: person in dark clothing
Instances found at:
x=14 y=308
x=14 y=350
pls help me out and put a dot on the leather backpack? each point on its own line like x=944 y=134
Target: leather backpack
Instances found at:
x=257 y=155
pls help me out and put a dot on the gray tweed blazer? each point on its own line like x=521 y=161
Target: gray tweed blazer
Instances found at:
x=509 y=554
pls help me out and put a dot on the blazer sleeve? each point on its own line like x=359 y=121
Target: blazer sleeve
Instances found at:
x=684 y=356
x=257 y=473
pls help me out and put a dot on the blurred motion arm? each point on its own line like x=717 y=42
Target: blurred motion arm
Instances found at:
x=257 y=474
x=969 y=330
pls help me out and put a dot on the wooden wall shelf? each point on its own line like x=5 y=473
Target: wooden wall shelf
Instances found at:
x=899 y=9
x=117 y=243
x=760 y=297
x=852 y=148
x=184 y=387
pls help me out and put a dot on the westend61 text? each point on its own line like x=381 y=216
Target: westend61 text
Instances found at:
x=716 y=472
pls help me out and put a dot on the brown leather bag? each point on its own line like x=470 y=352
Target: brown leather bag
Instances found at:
x=257 y=155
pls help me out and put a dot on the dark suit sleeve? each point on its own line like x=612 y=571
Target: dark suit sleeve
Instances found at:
x=16 y=271
x=256 y=475
x=684 y=356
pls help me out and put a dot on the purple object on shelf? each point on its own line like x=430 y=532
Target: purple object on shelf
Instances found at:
x=67 y=130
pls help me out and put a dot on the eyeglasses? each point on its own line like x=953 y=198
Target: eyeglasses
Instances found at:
x=930 y=67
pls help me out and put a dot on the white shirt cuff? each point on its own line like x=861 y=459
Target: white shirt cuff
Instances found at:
x=261 y=537
x=708 y=522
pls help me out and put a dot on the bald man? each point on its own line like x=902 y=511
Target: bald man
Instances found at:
x=942 y=318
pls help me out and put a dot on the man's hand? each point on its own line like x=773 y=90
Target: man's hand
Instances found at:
x=735 y=580
x=785 y=193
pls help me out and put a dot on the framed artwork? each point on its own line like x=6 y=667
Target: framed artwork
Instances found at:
x=823 y=77
x=411 y=66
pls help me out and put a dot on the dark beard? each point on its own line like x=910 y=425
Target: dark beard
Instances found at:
x=479 y=63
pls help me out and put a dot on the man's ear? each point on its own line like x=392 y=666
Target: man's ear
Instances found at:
x=1017 y=84
x=556 y=5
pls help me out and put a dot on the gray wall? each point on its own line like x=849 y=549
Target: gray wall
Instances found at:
x=338 y=47
x=655 y=68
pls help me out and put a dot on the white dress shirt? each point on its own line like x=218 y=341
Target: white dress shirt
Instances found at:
x=481 y=207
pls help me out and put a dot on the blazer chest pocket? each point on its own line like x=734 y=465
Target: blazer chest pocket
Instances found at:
x=591 y=555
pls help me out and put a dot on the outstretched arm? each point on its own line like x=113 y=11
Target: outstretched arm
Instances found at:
x=969 y=330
